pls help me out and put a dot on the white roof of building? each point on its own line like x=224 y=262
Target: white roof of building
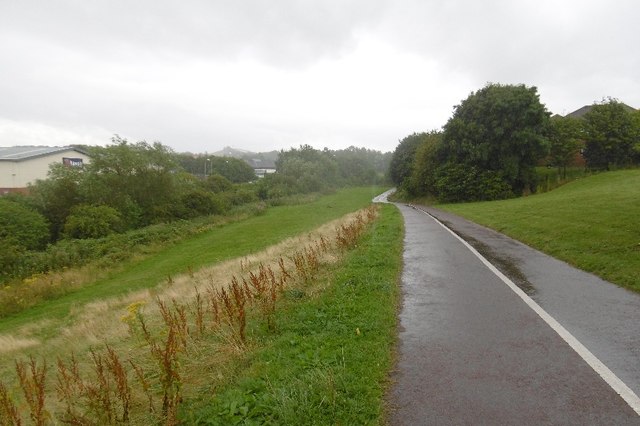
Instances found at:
x=20 y=153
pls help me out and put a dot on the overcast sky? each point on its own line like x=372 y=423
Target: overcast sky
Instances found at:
x=273 y=74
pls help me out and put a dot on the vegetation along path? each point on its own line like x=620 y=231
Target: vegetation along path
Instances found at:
x=301 y=332
x=226 y=242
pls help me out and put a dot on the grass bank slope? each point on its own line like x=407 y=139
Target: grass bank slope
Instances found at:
x=225 y=242
x=310 y=342
x=591 y=223
x=328 y=361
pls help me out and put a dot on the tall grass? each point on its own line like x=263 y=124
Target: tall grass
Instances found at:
x=329 y=359
x=591 y=223
x=146 y=383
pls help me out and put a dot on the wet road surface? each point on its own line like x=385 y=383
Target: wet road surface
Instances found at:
x=471 y=351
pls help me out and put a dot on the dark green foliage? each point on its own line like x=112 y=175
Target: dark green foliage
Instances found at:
x=16 y=262
x=499 y=129
x=22 y=231
x=635 y=117
x=218 y=183
x=141 y=181
x=241 y=194
x=21 y=226
x=87 y=221
x=459 y=182
x=308 y=169
x=11 y=254
x=565 y=135
x=56 y=196
x=361 y=166
x=401 y=165
x=611 y=134
x=275 y=185
x=234 y=169
x=198 y=202
x=138 y=179
x=422 y=180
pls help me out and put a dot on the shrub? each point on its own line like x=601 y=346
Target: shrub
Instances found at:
x=218 y=183
x=86 y=221
x=23 y=225
x=459 y=182
x=240 y=196
x=198 y=202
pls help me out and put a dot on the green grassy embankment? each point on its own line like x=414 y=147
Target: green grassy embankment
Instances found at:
x=225 y=242
x=329 y=360
x=324 y=360
x=591 y=223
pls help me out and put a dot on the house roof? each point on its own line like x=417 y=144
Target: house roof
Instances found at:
x=21 y=153
x=579 y=113
x=259 y=163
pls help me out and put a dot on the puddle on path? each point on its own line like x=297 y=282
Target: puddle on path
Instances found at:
x=505 y=264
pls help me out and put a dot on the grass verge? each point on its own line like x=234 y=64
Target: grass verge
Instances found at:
x=591 y=223
x=328 y=360
x=218 y=244
x=328 y=306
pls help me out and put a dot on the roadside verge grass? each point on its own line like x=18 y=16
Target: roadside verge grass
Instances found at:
x=591 y=223
x=313 y=327
x=329 y=359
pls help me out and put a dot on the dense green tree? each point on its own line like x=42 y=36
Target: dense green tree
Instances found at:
x=87 y=221
x=309 y=169
x=140 y=180
x=610 y=135
x=361 y=166
x=635 y=116
x=58 y=194
x=423 y=172
x=217 y=183
x=457 y=182
x=193 y=163
x=499 y=129
x=198 y=202
x=234 y=169
x=565 y=136
x=276 y=185
x=402 y=159
x=22 y=226
x=354 y=167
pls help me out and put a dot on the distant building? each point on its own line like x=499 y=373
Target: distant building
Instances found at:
x=263 y=163
x=21 y=166
x=261 y=167
x=263 y=172
x=579 y=113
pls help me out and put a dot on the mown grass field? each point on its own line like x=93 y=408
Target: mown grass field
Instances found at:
x=592 y=223
x=321 y=357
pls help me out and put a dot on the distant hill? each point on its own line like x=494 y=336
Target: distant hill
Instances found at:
x=265 y=160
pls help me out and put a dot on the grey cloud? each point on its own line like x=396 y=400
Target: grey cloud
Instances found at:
x=288 y=32
x=102 y=64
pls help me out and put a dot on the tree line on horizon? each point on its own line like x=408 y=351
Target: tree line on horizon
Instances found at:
x=128 y=186
x=490 y=148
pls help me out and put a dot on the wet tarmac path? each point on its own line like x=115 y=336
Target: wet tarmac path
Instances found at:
x=474 y=352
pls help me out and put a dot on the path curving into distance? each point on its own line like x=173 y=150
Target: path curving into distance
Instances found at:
x=539 y=343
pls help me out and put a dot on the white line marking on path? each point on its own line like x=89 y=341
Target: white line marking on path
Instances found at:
x=603 y=371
